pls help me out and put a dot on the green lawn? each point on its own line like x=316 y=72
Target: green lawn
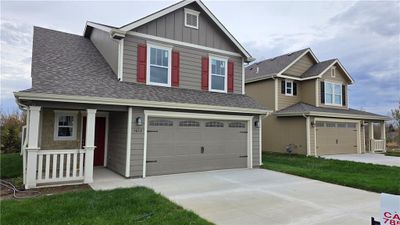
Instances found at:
x=11 y=165
x=364 y=176
x=393 y=153
x=121 y=206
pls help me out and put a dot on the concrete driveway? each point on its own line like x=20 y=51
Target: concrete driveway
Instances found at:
x=379 y=159
x=258 y=196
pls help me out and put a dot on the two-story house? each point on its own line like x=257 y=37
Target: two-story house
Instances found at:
x=163 y=94
x=310 y=103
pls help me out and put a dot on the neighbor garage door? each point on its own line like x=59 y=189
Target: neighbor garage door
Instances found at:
x=336 y=137
x=187 y=145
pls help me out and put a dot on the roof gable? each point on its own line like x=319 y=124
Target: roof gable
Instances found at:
x=301 y=65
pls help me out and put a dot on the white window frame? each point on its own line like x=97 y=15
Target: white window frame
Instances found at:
x=220 y=58
x=57 y=115
x=333 y=71
x=333 y=93
x=194 y=13
x=286 y=88
x=163 y=47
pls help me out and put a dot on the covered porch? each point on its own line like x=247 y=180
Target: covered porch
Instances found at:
x=375 y=134
x=62 y=146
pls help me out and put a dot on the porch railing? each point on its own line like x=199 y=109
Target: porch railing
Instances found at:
x=378 y=145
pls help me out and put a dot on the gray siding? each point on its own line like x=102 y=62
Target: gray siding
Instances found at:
x=256 y=143
x=190 y=65
x=107 y=47
x=137 y=145
x=116 y=154
x=172 y=26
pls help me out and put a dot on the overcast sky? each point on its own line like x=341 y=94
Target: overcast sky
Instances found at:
x=365 y=36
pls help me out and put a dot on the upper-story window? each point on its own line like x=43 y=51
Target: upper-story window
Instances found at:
x=333 y=71
x=288 y=87
x=333 y=93
x=192 y=18
x=159 y=65
x=218 y=74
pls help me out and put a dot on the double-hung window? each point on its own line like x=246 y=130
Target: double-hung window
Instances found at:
x=65 y=125
x=159 y=65
x=218 y=74
x=333 y=93
x=288 y=87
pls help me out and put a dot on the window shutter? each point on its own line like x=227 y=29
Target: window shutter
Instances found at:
x=204 y=73
x=175 y=69
x=230 y=76
x=322 y=92
x=294 y=88
x=141 y=63
x=343 y=94
x=283 y=87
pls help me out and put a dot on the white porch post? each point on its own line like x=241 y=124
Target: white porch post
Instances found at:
x=33 y=146
x=383 y=135
x=370 y=135
x=89 y=144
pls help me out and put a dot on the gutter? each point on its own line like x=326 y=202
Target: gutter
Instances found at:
x=338 y=115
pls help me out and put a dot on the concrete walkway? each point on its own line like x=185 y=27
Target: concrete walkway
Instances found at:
x=258 y=196
x=379 y=159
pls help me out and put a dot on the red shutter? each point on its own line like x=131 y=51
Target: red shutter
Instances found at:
x=204 y=73
x=230 y=76
x=141 y=63
x=175 y=69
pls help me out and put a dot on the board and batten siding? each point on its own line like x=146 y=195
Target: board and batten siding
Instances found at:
x=172 y=26
x=300 y=66
x=137 y=144
x=339 y=78
x=286 y=100
x=47 y=141
x=107 y=46
x=190 y=64
x=116 y=155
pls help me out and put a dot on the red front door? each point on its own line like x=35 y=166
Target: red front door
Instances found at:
x=99 y=139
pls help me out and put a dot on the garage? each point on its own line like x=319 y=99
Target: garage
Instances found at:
x=336 y=137
x=179 y=145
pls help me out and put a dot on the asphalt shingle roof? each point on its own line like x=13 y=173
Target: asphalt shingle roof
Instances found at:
x=316 y=69
x=303 y=108
x=68 y=64
x=269 y=67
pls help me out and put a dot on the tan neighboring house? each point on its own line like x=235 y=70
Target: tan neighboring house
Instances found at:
x=310 y=103
x=161 y=95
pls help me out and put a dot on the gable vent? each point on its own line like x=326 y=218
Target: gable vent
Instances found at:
x=257 y=69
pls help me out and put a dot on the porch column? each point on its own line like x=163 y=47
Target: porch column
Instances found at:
x=370 y=135
x=383 y=135
x=33 y=146
x=89 y=147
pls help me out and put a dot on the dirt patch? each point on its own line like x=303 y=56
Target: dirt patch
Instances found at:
x=6 y=193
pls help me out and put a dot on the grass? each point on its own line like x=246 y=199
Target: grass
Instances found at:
x=121 y=206
x=10 y=165
x=393 y=153
x=364 y=176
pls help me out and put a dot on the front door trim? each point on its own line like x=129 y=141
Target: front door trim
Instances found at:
x=152 y=113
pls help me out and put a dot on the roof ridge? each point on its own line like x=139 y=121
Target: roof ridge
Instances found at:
x=286 y=54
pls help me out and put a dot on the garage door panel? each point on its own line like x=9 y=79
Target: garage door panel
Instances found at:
x=224 y=147
x=336 y=138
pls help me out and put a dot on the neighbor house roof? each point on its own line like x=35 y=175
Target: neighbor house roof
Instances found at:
x=300 y=109
x=169 y=9
x=68 y=67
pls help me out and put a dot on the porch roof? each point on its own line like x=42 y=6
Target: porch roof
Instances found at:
x=69 y=67
x=300 y=109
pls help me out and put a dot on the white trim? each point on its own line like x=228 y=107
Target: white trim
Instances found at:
x=243 y=78
x=194 y=13
x=169 y=114
x=120 y=59
x=162 y=47
x=308 y=137
x=317 y=93
x=333 y=71
x=179 y=5
x=332 y=115
x=210 y=74
x=341 y=66
x=98 y=26
x=57 y=115
x=276 y=93
x=181 y=43
x=286 y=87
x=128 y=143
x=315 y=138
x=334 y=83
x=133 y=102
x=358 y=126
x=260 y=138
x=297 y=59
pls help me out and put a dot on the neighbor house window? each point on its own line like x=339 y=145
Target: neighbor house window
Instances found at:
x=218 y=74
x=333 y=93
x=159 y=65
x=192 y=18
x=65 y=125
x=288 y=87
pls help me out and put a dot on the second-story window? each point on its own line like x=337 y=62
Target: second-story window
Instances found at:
x=218 y=72
x=333 y=93
x=159 y=65
x=288 y=87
